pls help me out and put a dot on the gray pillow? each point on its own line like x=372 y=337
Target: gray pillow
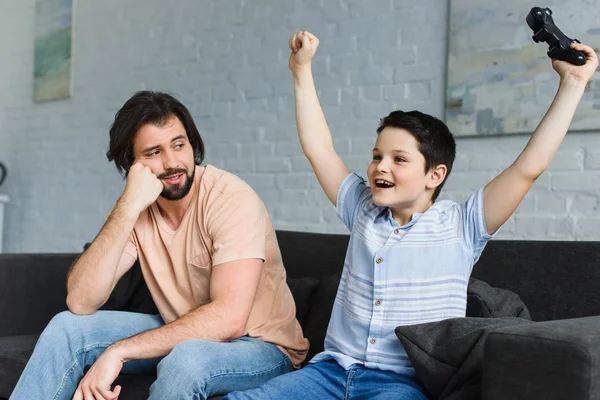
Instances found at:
x=485 y=301
x=448 y=355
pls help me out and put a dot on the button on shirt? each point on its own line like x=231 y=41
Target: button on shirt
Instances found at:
x=399 y=275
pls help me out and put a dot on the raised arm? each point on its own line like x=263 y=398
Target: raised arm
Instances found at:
x=313 y=131
x=95 y=274
x=503 y=194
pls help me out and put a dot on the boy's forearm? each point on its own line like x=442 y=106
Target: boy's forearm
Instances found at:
x=312 y=126
x=549 y=134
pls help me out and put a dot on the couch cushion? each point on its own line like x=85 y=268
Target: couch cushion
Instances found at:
x=448 y=355
x=485 y=301
x=302 y=290
x=14 y=353
x=549 y=360
x=320 y=312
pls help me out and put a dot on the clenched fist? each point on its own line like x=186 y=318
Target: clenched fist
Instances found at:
x=581 y=73
x=303 y=46
x=142 y=188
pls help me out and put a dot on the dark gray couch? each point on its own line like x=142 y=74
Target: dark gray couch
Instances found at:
x=558 y=281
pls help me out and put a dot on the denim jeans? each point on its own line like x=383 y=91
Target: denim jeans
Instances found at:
x=194 y=369
x=328 y=380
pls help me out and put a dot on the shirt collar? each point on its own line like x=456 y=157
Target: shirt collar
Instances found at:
x=386 y=214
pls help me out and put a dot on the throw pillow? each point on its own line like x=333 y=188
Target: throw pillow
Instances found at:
x=488 y=302
x=302 y=290
x=448 y=355
x=320 y=312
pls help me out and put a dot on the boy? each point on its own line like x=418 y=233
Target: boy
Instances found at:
x=409 y=258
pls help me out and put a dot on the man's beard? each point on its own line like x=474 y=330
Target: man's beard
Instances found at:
x=179 y=191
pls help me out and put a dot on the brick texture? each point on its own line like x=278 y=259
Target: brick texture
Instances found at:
x=227 y=61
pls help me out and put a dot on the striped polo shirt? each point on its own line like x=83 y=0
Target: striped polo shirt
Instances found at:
x=399 y=275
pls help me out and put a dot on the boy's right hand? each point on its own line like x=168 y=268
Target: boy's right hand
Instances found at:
x=142 y=188
x=303 y=46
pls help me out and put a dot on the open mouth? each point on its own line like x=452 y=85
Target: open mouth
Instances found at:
x=383 y=184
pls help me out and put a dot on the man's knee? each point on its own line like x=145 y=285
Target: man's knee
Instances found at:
x=189 y=357
x=61 y=325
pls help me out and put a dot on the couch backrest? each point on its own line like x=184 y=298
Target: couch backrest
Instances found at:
x=312 y=254
x=555 y=279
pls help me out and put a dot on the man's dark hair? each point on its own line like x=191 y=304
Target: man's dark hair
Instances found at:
x=436 y=143
x=147 y=107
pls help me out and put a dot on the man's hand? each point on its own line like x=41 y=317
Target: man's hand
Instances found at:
x=96 y=384
x=303 y=46
x=582 y=73
x=142 y=188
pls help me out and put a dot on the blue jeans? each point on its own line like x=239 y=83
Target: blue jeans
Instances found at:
x=194 y=369
x=328 y=380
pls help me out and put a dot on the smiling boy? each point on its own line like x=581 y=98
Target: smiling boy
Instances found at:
x=409 y=257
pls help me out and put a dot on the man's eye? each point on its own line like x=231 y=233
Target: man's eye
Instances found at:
x=153 y=154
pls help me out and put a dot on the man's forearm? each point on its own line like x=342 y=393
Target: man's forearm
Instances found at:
x=213 y=321
x=92 y=276
x=549 y=134
x=312 y=126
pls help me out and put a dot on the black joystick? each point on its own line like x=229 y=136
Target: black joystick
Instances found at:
x=541 y=22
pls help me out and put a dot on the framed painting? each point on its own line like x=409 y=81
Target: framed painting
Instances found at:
x=53 y=59
x=499 y=81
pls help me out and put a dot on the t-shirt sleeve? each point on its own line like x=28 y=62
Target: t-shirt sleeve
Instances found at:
x=238 y=225
x=353 y=195
x=473 y=230
x=131 y=247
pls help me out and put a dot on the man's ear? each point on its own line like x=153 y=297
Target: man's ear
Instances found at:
x=437 y=175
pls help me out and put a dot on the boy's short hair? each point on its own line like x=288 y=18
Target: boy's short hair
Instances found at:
x=436 y=143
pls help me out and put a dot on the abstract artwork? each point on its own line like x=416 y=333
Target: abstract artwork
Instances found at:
x=499 y=80
x=53 y=49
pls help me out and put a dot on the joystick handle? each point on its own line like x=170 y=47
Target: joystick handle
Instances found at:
x=544 y=30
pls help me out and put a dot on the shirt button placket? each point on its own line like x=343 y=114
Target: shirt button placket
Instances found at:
x=373 y=341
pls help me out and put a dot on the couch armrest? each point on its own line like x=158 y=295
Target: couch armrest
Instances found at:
x=543 y=360
x=32 y=290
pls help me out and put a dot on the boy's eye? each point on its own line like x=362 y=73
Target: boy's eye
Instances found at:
x=376 y=158
x=399 y=159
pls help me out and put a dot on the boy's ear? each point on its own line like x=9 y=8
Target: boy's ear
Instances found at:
x=437 y=175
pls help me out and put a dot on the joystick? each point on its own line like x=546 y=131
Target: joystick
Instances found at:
x=544 y=30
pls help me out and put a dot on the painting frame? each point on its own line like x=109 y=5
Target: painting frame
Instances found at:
x=499 y=81
x=53 y=50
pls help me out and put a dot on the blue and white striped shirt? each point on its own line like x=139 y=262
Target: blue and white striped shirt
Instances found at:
x=399 y=275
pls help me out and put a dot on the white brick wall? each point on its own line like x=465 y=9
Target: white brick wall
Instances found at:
x=227 y=61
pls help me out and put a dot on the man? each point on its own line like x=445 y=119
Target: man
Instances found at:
x=210 y=258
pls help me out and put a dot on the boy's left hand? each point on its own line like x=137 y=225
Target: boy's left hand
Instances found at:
x=581 y=73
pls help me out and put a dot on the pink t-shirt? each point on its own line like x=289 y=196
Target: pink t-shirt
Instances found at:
x=226 y=221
